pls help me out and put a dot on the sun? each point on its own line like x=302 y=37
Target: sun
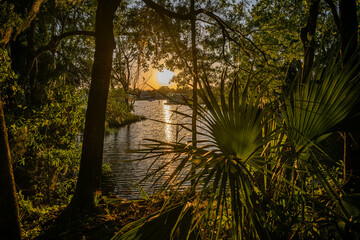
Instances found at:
x=163 y=77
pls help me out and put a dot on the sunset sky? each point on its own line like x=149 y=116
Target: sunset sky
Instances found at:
x=156 y=79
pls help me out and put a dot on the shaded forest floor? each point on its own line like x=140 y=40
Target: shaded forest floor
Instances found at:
x=113 y=214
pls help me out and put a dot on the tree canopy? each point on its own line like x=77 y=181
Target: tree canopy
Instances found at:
x=274 y=85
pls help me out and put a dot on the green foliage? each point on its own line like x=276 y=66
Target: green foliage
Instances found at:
x=8 y=84
x=9 y=20
x=263 y=171
x=320 y=102
x=222 y=168
x=260 y=172
x=32 y=216
x=118 y=113
x=159 y=225
x=44 y=147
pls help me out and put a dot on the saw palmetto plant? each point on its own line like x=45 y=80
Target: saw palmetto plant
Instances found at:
x=259 y=171
x=224 y=192
x=316 y=108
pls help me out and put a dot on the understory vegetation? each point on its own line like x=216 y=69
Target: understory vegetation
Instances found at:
x=262 y=170
x=46 y=148
x=118 y=113
x=272 y=143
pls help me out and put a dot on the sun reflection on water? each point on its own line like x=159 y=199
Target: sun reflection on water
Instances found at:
x=125 y=170
x=167 y=119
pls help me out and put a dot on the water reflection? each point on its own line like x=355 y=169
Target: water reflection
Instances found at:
x=168 y=127
x=125 y=171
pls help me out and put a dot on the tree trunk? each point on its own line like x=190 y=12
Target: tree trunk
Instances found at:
x=348 y=28
x=195 y=71
x=349 y=44
x=195 y=76
x=307 y=36
x=92 y=151
x=9 y=210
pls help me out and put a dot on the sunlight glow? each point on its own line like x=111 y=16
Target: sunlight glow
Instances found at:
x=163 y=77
x=167 y=119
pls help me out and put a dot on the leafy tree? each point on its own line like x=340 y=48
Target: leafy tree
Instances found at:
x=117 y=111
x=43 y=143
x=131 y=54
x=10 y=225
x=34 y=51
x=44 y=116
x=51 y=136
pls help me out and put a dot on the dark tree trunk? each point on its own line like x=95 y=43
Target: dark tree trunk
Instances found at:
x=9 y=210
x=195 y=71
x=91 y=158
x=307 y=36
x=349 y=44
x=348 y=28
x=195 y=76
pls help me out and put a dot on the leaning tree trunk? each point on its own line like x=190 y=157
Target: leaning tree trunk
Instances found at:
x=349 y=45
x=9 y=210
x=348 y=28
x=195 y=76
x=195 y=71
x=91 y=158
x=308 y=37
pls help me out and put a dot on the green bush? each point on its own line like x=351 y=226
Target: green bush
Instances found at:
x=43 y=143
x=118 y=113
x=262 y=171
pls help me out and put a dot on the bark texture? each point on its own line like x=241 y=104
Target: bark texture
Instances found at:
x=91 y=158
x=195 y=71
x=307 y=36
x=9 y=210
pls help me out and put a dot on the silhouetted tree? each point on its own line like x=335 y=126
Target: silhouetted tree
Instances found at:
x=9 y=210
x=92 y=151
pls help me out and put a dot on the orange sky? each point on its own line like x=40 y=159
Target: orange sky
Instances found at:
x=153 y=81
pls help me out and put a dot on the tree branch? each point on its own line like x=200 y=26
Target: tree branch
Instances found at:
x=176 y=46
x=334 y=13
x=55 y=40
x=160 y=9
x=307 y=36
x=78 y=71
x=30 y=17
x=188 y=16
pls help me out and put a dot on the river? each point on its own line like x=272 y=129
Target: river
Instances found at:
x=125 y=173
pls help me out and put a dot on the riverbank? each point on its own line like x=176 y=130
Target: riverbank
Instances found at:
x=123 y=120
x=113 y=214
x=41 y=221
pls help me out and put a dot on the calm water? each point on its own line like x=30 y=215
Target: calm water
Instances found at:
x=126 y=173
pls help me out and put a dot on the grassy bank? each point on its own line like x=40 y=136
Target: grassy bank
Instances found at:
x=122 y=120
x=112 y=215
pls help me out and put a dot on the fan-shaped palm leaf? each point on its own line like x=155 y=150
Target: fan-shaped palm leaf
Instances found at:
x=224 y=194
x=315 y=109
x=319 y=103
